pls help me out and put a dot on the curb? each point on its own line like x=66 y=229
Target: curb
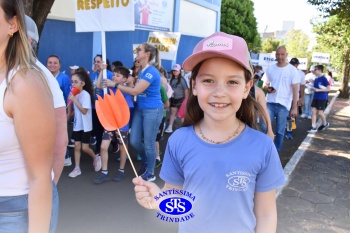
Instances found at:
x=292 y=163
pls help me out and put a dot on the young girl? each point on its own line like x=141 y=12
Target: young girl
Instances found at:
x=230 y=169
x=180 y=88
x=82 y=121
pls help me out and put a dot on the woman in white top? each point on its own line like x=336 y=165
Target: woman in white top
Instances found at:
x=27 y=119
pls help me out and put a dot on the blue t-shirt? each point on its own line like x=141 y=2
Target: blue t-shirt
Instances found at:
x=128 y=99
x=324 y=82
x=150 y=98
x=65 y=84
x=94 y=77
x=222 y=177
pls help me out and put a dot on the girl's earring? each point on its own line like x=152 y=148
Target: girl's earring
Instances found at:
x=11 y=35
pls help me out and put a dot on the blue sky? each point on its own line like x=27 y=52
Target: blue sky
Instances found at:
x=272 y=13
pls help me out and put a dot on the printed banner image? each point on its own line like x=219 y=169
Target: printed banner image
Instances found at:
x=154 y=15
x=166 y=42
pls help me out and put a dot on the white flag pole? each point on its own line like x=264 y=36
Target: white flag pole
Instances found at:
x=104 y=55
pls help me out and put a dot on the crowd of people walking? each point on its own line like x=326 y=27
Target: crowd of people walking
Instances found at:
x=221 y=109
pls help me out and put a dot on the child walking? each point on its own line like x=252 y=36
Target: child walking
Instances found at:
x=120 y=77
x=180 y=88
x=319 y=101
x=82 y=121
x=230 y=169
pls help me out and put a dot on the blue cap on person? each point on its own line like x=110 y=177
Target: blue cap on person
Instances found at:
x=223 y=45
x=176 y=67
x=32 y=30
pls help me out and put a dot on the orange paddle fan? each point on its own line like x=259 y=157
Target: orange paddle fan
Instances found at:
x=113 y=113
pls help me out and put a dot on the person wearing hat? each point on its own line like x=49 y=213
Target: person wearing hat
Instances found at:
x=227 y=170
x=180 y=88
x=295 y=62
x=281 y=81
x=73 y=69
x=309 y=80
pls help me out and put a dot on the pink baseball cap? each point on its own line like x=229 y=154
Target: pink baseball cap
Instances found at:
x=223 y=45
x=176 y=67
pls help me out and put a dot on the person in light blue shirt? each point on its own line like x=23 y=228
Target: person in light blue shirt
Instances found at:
x=148 y=111
x=53 y=64
x=218 y=162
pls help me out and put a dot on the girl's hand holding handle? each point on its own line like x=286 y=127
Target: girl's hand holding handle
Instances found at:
x=145 y=192
x=72 y=97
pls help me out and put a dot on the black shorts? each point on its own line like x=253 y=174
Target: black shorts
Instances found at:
x=114 y=135
x=160 y=130
x=319 y=104
x=81 y=136
x=176 y=103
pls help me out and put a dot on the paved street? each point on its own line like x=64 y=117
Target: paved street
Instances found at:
x=317 y=198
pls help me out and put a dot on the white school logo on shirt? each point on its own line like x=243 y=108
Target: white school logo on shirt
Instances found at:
x=238 y=181
x=148 y=75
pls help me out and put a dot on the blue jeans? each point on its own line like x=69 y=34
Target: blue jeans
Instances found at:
x=307 y=104
x=14 y=213
x=145 y=126
x=281 y=113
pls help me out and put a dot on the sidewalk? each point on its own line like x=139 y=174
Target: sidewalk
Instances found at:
x=317 y=198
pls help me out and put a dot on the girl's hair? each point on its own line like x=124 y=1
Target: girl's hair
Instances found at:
x=163 y=72
x=173 y=77
x=117 y=63
x=248 y=112
x=122 y=70
x=134 y=70
x=330 y=73
x=18 y=52
x=154 y=55
x=84 y=76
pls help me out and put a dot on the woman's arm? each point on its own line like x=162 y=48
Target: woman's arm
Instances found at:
x=265 y=211
x=166 y=104
x=61 y=142
x=140 y=86
x=99 y=80
x=146 y=191
x=260 y=97
x=30 y=105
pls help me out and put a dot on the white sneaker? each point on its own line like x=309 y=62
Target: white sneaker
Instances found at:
x=169 y=130
x=97 y=163
x=309 y=117
x=312 y=130
x=67 y=162
x=76 y=172
x=303 y=115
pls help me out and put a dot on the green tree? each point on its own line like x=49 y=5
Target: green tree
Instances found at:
x=297 y=43
x=237 y=18
x=333 y=7
x=269 y=45
x=334 y=37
